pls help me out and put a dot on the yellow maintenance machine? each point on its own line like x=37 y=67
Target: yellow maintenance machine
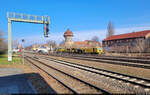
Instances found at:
x=86 y=50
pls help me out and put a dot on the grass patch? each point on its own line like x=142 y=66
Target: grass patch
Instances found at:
x=4 y=59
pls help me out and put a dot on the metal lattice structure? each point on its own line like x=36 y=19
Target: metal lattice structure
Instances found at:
x=27 y=18
x=18 y=17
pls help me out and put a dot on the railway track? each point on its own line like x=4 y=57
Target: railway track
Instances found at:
x=61 y=83
x=126 y=59
x=139 y=63
x=96 y=55
x=136 y=81
x=61 y=76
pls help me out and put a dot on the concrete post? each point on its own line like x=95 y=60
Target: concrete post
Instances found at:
x=9 y=41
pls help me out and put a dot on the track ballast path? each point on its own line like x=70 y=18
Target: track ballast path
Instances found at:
x=143 y=83
x=139 y=63
x=63 y=77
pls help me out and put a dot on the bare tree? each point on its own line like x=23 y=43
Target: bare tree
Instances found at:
x=3 y=45
x=15 y=43
x=62 y=43
x=110 y=29
x=95 y=38
x=51 y=43
x=1 y=38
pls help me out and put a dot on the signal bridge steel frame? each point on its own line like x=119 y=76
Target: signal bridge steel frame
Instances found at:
x=15 y=17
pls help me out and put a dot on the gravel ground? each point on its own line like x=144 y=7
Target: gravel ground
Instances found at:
x=76 y=85
x=143 y=73
x=114 y=86
x=133 y=71
x=41 y=88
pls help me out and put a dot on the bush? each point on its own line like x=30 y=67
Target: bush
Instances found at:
x=3 y=45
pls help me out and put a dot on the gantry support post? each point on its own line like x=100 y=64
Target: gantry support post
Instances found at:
x=13 y=17
x=9 y=41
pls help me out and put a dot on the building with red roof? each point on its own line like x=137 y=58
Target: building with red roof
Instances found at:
x=128 y=39
x=140 y=34
x=86 y=43
x=68 y=35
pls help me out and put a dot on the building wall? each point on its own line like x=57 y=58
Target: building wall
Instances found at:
x=68 y=39
x=68 y=42
x=122 y=42
x=124 y=45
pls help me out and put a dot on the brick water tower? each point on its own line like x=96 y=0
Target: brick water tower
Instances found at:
x=68 y=38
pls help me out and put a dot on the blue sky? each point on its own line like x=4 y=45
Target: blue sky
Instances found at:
x=85 y=18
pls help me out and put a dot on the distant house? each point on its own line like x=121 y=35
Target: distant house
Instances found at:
x=128 y=40
x=35 y=46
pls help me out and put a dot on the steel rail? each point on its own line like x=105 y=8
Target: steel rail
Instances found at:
x=74 y=92
x=138 y=65
x=142 y=61
x=91 y=85
x=119 y=74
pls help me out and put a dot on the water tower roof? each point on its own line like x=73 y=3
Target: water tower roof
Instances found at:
x=68 y=33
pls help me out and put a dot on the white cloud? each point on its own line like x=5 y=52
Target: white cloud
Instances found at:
x=82 y=35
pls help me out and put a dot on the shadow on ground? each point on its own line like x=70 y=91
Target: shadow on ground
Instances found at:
x=15 y=84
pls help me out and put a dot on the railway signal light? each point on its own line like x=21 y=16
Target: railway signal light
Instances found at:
x=46 y=30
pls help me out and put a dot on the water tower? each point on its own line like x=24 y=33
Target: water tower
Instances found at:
x=68 y=38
